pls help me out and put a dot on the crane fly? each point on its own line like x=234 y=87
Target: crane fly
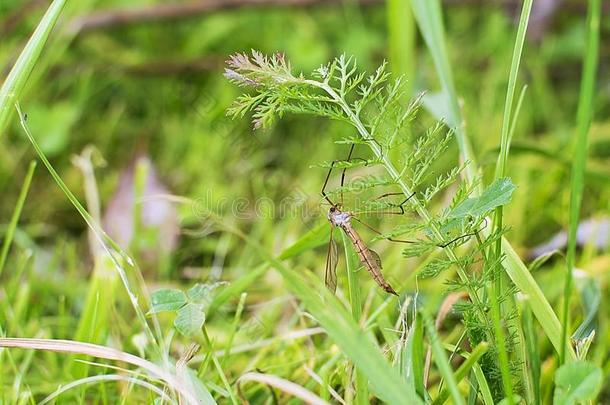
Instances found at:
x=368 y=257
x=339 y=218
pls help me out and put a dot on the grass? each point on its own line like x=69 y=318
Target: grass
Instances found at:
x=75 y=317
x=583 y=122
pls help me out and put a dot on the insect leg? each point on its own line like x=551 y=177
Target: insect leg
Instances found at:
x=444 y=245
x=332 y=166
x=399 y=206
x=380 y=233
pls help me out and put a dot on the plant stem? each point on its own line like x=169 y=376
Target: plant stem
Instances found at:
x=583 y=121
x=394 y=174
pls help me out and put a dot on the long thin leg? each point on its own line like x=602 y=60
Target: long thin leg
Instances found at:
x=444 y=245
x=323 y=191
x=349 y=156
x=381 y=212
x=399 y=206
x=379 y=233
x=330 y=170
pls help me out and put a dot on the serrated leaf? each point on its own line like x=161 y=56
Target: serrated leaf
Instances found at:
x=189 y=319
x=575 y=382
x=167 y=299
x=497 y=194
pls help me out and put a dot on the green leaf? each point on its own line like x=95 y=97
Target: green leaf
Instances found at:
x=189 y=320
x=497 y=194
x=590 y=297
x=167 y=299
x=200 y=293
x=578 y=381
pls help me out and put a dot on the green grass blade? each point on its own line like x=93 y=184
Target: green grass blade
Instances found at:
x=507 y=125
x=352 y=266
x=97 y=310
x=507 y=121
x=583 y=123
x=110 y=247
x=10 y=230
x=533 y=362
x=401 y=40
x=13 y=86
x=442 y=361
x=523 y=279
x=429 y=19
x=412 y=355
x=463 y=370
x=343 y=330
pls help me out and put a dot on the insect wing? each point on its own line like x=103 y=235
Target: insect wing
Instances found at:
x=376 y=257
x=330 y=277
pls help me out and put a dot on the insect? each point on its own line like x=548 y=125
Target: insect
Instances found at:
x=339 y=218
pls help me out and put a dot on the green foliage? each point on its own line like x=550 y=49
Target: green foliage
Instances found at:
x=374 y=105
x=189 y=307
x=167 y=300
x=156 y=89
x=576 y=382
x=497 y=194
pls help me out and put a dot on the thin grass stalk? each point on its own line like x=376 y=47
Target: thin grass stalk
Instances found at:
x=100 y=234
x=532 y=362
x=352 y=265
x=12 y=88
x=583 y=123
x=507 y=125
x=10 y=230
x=442 y=361
x=471 y=359
x=429 y=18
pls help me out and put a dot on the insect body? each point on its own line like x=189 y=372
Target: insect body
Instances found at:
x=369 y=258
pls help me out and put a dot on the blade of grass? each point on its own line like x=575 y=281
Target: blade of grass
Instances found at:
x=401 y=40
x=507 y=124
x=103 y=352
x=10 y=230
x=13 y=86
x=442 y=361
x=464 y=369
x=352 y=265
x=412 y=355
x=533 y=354
x=340 y=326
x=289 y=387
x=583 y=123
x=429 y=20
x=110 y=247
x=523 y=279
x=428 y=16
x=507 y=120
